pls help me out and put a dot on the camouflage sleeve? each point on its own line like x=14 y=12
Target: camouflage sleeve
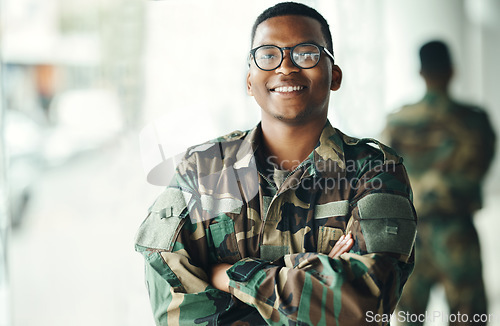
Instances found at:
x=178 y=286
x=486 y=144
x=473 y=150
x=457 y=186
x=313 y=289
x=179 y=293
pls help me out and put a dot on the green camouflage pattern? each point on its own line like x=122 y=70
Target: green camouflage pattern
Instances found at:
x=448 y=253
x=278 y=238
x=447 y=148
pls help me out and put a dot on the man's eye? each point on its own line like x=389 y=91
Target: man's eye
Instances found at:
x=307 y=56
x=267 y=57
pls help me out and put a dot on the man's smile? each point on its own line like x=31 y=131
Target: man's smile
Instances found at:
x=287 y=89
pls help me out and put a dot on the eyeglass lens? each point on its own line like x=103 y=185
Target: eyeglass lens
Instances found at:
x=304 y=56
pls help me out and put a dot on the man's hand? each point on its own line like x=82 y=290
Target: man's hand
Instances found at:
x=343 y=245
x=219 y=278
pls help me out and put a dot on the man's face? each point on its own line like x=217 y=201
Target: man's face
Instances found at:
x=310 y=93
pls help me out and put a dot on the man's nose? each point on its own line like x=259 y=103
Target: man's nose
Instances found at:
x=287 y=66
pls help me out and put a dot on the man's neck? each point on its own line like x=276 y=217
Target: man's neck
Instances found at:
x=288 y=145
x=437 y=85
x=438 y=90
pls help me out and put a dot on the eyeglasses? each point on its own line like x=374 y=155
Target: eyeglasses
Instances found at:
x=303 y=55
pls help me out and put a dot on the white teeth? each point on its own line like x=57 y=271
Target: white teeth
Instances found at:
x=285 y=89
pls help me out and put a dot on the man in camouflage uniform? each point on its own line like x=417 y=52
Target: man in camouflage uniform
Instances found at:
x=254 y=228
x=447 y=147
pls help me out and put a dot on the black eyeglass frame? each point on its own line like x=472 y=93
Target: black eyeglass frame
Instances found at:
x=291 y=48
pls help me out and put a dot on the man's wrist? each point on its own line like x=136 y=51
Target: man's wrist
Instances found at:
x=244 y=269
x=219 y=277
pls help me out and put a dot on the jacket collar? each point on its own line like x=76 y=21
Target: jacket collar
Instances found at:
x=328 y=159
x=330 y=151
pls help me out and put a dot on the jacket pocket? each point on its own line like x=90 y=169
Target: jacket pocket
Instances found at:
x=224 y=240
x=327 y=237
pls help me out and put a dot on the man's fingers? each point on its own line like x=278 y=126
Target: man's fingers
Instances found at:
x=347 y=246
x=337 y=247
x=343 y=245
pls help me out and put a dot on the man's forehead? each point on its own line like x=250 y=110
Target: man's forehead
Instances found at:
x=288 y=30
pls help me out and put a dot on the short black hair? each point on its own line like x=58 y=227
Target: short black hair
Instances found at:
x=435 y=57
x=294 y=8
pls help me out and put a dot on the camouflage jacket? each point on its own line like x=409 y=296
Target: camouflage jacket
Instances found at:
x=447 y=148
x=223 y=206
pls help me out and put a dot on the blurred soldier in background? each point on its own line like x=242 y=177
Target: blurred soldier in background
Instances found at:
x=447 y=148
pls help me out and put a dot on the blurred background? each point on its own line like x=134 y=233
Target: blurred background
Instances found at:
x=83 y=83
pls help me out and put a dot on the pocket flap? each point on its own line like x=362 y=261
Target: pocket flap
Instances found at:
x=158 y=229
x=172 y=202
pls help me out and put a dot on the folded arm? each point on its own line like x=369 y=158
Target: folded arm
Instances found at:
x=220 y=279
x=314 y=289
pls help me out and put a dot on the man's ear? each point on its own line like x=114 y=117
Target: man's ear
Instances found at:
x=336 y=78
x=249 y=84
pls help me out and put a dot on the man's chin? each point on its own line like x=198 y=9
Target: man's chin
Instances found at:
x=294 y=115
x=294 y=118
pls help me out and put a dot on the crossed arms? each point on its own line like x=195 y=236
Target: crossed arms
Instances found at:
x=220 y=280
